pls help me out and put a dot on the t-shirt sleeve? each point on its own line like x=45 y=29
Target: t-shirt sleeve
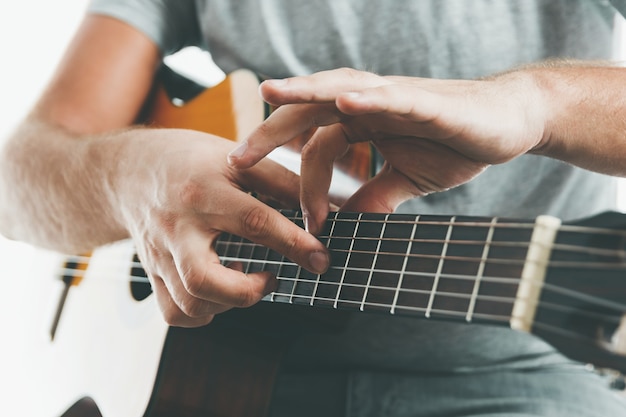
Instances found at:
x=172 y=24
x=620 y=6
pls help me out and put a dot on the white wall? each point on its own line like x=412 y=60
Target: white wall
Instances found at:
x=33 y=34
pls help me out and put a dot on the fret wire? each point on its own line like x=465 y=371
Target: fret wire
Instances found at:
x=404 y=263
x=227 y=243
x=343 y=273
x=374 y=259
x=431 y=299
x=319 y=276
x=295 y=284
x=241 y=244
x=481 y=269
x=278 y=272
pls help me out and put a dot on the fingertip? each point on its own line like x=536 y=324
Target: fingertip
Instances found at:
x=235 y=157
x=319 y=261
x=269 y=89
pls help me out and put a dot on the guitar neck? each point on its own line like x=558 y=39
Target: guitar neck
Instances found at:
x=446 y=267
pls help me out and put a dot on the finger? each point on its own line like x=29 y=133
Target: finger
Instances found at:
x=273 y=180
x=318 y=157
x=204 y=278
x=172 y=314
x=284 y=124
x=259 y=223
x=189 y=304
x=412 y=102
x=383 y=193
x=245 y=216
x=321 y=87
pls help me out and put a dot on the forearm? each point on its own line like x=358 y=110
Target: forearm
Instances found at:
x=55 y=188
x=585 y=115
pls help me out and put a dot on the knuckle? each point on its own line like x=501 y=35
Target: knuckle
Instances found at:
x=174 y=317
x=350 y=72
x=255 y=223
x=191 y=193
x=310 y=151
x=193 y=281
x=247 y=297
x=193 y=307
x=264 y=130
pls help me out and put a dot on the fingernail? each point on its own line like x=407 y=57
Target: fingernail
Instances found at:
x=319 y=261
x=352 y=94
x=237 y=153
x=279 y=82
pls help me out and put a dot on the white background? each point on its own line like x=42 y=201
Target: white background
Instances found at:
x=33 y=34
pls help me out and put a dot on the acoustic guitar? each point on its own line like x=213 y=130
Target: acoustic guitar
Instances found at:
x=106 y=351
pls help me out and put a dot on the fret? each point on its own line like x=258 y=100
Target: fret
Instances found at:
x=343 y=273
x=506 y=264
x=481 y=268
x=439 y=269
x=359 y=267
x=390 y=260
x=404 y=264
x=374 y=259
x=328 y=231
x=326 y=284
x=280 y=261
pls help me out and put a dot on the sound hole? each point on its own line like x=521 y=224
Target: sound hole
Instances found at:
x=140 y=287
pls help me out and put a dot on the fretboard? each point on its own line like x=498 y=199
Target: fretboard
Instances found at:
x=445 y=267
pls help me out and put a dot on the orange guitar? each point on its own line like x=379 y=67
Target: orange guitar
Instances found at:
x=103 y=349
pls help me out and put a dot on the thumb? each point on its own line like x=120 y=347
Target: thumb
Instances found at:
x=383 y=193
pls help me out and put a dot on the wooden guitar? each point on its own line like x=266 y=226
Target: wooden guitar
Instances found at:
x=106 y=350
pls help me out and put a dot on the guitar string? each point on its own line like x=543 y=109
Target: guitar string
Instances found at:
x=459 y=313
x=560 y=247
x=611 y=320
x=502 y=261
x=84 y=260
x=502 y=280
x=485 y=224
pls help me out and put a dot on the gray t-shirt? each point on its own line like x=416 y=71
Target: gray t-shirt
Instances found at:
x=427 y=38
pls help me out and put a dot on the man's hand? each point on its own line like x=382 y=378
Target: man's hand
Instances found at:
x=176 y=194
x=433 y=134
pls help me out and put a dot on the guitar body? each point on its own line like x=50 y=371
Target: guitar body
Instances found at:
x=113 y=355
x=106 y=345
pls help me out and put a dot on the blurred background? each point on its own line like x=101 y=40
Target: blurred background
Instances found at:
x=33 y=34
